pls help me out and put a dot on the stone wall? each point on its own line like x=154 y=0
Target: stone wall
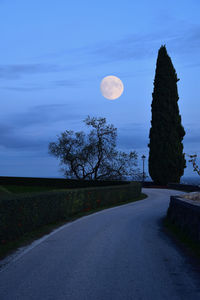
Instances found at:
x=185 y=213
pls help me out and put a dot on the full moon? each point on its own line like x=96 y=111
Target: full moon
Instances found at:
x=111 y=87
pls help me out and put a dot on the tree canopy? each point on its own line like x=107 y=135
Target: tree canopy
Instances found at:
x=94 y=156
x=166 y=157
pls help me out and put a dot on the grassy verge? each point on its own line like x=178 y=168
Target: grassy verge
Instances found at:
x=182 y=239
x=28 y=238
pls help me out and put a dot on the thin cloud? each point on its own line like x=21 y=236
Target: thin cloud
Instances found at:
x=38 y=87
x=26 y=130
x=67 y=83
x=132 y=142
x=23 y=89
x=11 y=138
x=16 y=71
x=135 y=47
x=145 y=47
x=192 y=138
x=16 y=141
x=44 y=115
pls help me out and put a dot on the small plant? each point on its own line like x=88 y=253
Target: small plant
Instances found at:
x=193 y=160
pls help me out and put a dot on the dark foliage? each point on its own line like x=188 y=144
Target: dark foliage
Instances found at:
x=166 y=157
x=55 y=183
x=93 y=156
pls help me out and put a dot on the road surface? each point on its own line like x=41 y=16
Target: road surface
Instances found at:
x=119 y=253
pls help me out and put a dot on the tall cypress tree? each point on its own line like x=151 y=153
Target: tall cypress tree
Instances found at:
x=166 y=157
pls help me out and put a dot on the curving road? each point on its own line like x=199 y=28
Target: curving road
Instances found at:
x=118 y=253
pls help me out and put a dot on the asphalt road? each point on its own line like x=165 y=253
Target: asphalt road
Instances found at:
x=118 y=253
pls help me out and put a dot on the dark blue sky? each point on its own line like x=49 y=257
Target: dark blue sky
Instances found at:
x=54 y=55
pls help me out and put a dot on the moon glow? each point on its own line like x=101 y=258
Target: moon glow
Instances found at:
x=111 y=87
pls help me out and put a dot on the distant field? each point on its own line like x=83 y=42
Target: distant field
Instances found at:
x=190 y=180
x=19 y=189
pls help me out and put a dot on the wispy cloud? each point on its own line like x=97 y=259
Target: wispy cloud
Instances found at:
x=22 y=88
x=46 y=86
x=145 y=47
x=11 y=138
x=135 y=47
x=45 y=114
x=34 y=129
x=67 y=83
x=31 y=130
x=15 y=71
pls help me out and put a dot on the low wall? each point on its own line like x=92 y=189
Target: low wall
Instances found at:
x=185 y=214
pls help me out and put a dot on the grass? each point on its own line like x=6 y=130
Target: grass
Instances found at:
x=30 y=237
x=3 y=190
x=182 y=239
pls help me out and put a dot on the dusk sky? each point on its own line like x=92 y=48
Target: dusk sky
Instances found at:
x=54 y=55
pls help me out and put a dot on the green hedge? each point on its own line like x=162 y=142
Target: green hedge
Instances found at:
x=23 y=213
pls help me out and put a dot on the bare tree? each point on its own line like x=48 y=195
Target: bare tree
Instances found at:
x=94 y=156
